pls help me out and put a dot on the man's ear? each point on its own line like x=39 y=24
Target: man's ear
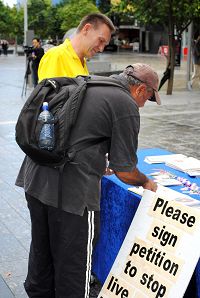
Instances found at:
x=86 y=28
x=132 y=89
x=141 y=88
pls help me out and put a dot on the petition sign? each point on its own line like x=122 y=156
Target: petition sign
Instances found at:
x=159 y=253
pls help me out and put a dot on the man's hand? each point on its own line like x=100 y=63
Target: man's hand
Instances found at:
x=33 y=56
x=151 y=185
x=108 y=172
x=137 y=178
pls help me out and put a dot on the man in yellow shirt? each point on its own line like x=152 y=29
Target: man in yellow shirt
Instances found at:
x=69 y=58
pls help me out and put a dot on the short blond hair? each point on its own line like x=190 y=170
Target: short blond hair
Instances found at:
x=96 y=19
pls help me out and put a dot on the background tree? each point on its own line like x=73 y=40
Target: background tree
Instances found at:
x=38 y=17
x=6 y=26
x=54 y=23
x=71 y=13
x=174 y=15
x=17 y=16
x=103 y=5
x=63 y=3
x=45 y=19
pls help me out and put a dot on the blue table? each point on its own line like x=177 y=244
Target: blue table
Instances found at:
x=118 y=207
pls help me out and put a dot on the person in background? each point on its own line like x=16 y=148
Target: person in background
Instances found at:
x=62 y=240
x=49 y=44
x=35 y=57
x=4 y=46
x=69 y=58
x=196 y=60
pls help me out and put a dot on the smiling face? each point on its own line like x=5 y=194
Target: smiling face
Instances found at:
x=95 y=38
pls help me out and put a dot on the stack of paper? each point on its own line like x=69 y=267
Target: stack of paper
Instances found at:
x=189 y=165
x=168 y=182
x=163 y=192
x=163 y=158
x=165 y=178
x=170 y=194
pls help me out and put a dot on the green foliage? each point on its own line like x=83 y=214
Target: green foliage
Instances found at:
x=5 y=21
x=123 y=12
x=43 y=17
x=173 y=15
x=182 y=12
x=17 y=16
x=38 y=13
x=104 y=6
x=63 y=3
x=71 y=14
x=48 y=20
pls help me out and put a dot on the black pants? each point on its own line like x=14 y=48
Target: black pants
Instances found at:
x=60 y=253
x=34 y=73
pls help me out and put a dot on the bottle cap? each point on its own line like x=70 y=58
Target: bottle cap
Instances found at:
x=45 y=106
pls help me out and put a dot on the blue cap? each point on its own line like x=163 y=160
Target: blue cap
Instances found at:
x=45 y=106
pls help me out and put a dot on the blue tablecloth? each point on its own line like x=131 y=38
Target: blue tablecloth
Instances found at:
x=118 y=207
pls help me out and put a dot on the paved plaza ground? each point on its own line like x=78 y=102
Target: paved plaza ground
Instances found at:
x=173 y=126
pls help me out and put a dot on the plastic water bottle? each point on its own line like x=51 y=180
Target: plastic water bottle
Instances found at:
x=47 y=137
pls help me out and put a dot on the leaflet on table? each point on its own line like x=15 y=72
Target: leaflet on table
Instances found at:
x=189 y=165
x=171 y=194
x=168 y=182
x=165 y=178
x=180 y=162
x=163 y=158
x=193 y=173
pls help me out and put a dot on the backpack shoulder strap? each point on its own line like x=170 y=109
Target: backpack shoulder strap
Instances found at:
x=90 y=81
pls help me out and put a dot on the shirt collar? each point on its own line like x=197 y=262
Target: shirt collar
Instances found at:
x=67 y=43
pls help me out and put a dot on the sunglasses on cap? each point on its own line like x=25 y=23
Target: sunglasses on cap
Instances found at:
x=152 y=98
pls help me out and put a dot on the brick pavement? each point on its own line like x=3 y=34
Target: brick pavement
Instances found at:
x=173 y=126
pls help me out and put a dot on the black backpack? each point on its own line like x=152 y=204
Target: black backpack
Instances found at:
x=65 y=96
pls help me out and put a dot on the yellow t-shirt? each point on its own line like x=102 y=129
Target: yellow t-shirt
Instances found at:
x=61 y=61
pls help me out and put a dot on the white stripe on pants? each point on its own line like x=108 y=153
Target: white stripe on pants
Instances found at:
x=89 y=252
